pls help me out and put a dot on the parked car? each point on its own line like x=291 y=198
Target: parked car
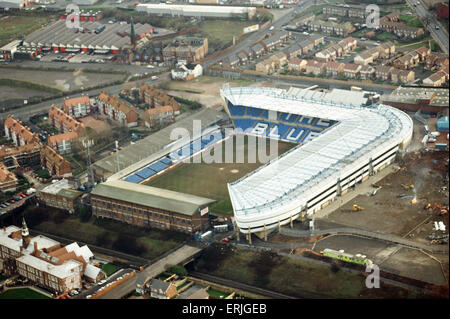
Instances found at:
x=12 y=201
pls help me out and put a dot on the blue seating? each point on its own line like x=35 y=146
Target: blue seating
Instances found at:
x=196 y=146
x=265 y=114
x=243 y=123
x=134 y=179
x=166 y=160
x=295 y=134
x=145 y=173
x=288 y=117
x=157 y=166
x=306 y=120
x=281 y=130
x=236 y=110
x=251 y=111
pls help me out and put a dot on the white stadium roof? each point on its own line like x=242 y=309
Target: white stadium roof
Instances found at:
x=287 y=183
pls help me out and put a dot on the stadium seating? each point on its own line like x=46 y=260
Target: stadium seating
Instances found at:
x=134 y=179
x=157 y=166
x=251 y=111
x=166 y=160
x=236 y=110
x=145 y=173
x=288 y=118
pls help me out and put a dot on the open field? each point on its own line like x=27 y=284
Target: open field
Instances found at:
x=220 y=32
x=196 y=178
x=13 y=93
x=63 y=81
x=22 y=293
x=13 y=27
x=291 y=276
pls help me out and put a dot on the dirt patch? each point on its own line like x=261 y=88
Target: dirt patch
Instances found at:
x=391 y=210
x=97 y=125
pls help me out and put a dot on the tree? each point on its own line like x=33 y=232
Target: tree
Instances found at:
x=179 y=270
x=103 y=239
x=85 y=214
x=128 y=244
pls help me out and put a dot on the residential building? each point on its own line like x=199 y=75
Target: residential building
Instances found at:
x=435 y=62
x=44 y=261
x=334 y=68
x=155 y=97
x=436 y=79
x=60 y=195
x=185 y=50
x=348 y=44
x=117 y=110
x=257 y=50
x=306 y=45
x=162 y=290
x=351 y=11
x=265 y=66
x=64 y=122
x=325 y=55
x=407 y=61
x=186 y=72
x=279 y=59
x=296 y=64
x=330 y=27
x=365 y=57
x=24 y=155
x=423 y=53
x=243 y=57
x=304 y=20
x=18 y=133
x=231 y=61
x=159 y=116
x=147 y=206
x=351 y=70
x=54 y=162
x=366 y=72
x=293 y=51
x=402 y=76
x=77 y=107
x=8 y=181
x=63 y=143
x=317 y=39
x=315 y=67
x=383 y=72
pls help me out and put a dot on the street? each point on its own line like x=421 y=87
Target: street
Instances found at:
x=440 y=36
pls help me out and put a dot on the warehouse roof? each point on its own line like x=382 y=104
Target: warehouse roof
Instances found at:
x=411 y=94
x=152 y=197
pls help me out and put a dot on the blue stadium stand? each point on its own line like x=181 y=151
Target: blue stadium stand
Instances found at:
x=251 y=111
x=236 y=110
x=134 y=179
x=307 y=120
x=145 y=173
x=265 y=114
x=323 y=124
x=157 y=166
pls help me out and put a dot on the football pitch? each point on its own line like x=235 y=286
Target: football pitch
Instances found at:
x=210 y=179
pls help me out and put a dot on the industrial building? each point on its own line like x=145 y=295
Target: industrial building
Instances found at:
x=343 y=138
x=58 y=37
x=60 y=195
x=148 y=206
x=426 y=99
x=197 y=10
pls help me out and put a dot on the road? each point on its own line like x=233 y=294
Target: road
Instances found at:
x=176 y=257
x=25 y=112
x=251 y=39
x=440 y=36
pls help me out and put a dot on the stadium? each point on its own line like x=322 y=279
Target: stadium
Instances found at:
x=343 y=137
x=328 y=142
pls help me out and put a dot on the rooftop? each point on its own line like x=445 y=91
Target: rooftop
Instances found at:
x=152 y=197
